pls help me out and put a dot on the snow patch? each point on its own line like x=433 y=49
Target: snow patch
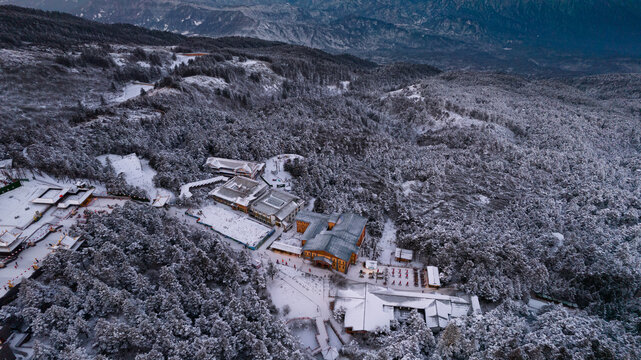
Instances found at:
x=132 y=90
x=275 y=174
x=137 y=173
x=206 y=81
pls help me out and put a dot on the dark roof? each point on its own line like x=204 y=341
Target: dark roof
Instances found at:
x=341 y=241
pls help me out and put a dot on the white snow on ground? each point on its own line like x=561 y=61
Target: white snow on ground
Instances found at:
x=143 y=64
x=275 y=174
x=137 y=173
x=305 y=331
x=483 y=200
x=387 y=244
x=412 y=92
x=334 y=341
x=118 y=59
x=407 y=187
x=132 y=90
x=210 y=81
x=233 y=225
x=180 y=59
x=303 y=293
x=270 y=81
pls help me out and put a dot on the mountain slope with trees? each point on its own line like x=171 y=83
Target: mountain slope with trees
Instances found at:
x=512 y=185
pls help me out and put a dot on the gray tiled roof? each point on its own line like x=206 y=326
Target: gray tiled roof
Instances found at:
x=351 y=223
x=278 y=203
x=240 y=190
x=341 y=241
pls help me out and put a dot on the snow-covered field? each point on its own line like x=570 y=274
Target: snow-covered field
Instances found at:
x=301 y=293
x=137 y=173
x=214 y=82
x=132 y=90
x=275 y=174
x=271 y=82
x=387 y=244
x=233 y=225
x=305 y=331
x=412 y=92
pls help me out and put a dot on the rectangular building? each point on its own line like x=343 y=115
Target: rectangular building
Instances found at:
x=403 y=255
x=277 y=207
x=433 y=277
x=231 y=167
x=239 y=192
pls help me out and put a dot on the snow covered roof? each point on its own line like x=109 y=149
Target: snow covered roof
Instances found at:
x=292 y=249
x=235 y=167
x=50 y=195
x=240 y=190
x=77 y=198
x=350 y=223
x=404 y=254
x=433 y=278
x=10 y=240
x=368 y=307
x=278 y=203
x=335 y=243
x=68 y=242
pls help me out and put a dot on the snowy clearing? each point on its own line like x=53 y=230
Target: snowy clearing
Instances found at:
x=137 y=173
x=275 y=174
x=234 y=225
x=204 y=80
x=132 y=90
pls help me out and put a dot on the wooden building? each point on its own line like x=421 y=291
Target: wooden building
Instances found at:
x=232 y=167
x=333 y=240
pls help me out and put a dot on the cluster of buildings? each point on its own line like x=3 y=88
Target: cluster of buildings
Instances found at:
x=25 y=206
x=247 y=192
x=331 y=241
x=370 y=307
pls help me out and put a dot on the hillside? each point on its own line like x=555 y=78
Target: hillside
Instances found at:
x=512 y=185
x=515 y=36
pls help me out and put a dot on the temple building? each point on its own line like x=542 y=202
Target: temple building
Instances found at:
x=331 y=240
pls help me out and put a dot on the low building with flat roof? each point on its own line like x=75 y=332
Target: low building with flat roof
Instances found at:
x=232 y=167
x=50 y=195
x=277 y=207
x=370 y=307
x=239 y=192
x=433 y=277
x=403 y=255
x=331 y=240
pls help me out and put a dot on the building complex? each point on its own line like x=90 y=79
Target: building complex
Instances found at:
x=331 y=240
x=232 y=167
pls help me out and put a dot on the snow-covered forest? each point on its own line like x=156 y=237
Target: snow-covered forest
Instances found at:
x=151 y=287
x=511 y=185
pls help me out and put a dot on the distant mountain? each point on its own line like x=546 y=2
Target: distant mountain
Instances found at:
x=512 y=35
